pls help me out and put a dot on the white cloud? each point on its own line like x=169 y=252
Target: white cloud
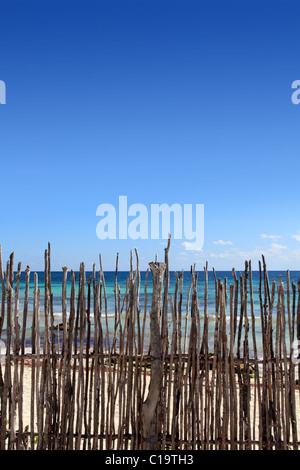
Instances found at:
x=190 y=246
x=276 y=247
x=220 y=255
x=222 y=242
x=182 y=253
x=297 y=237
x=271 y=237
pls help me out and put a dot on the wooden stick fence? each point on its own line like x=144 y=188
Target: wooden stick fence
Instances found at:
x=185 y=388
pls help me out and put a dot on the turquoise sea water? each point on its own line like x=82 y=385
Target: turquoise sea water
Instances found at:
x=56 y=279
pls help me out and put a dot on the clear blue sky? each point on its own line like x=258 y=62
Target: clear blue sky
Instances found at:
x=162 y=101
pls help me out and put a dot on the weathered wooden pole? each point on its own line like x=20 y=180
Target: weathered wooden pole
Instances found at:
x=149 y=409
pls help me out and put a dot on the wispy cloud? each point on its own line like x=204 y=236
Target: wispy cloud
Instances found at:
x=222 y=242
x=191 y=246
x=276 y=246
x=276 y=255
x=274 y=250
x=297 y=236
x=220 y=255
x=271 y=237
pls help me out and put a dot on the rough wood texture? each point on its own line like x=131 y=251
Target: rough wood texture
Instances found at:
x=198 y=381
x=149 y=409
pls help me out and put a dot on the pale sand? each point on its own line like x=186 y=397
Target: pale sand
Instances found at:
x=27 y=377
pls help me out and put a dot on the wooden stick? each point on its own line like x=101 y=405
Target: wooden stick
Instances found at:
x=149 y=409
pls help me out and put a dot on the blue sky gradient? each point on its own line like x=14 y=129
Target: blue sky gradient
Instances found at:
x=162 y=101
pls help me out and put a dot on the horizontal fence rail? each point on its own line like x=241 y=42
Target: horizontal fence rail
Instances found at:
x=159 y=374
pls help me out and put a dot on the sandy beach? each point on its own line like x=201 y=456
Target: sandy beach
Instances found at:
x=112 y=414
